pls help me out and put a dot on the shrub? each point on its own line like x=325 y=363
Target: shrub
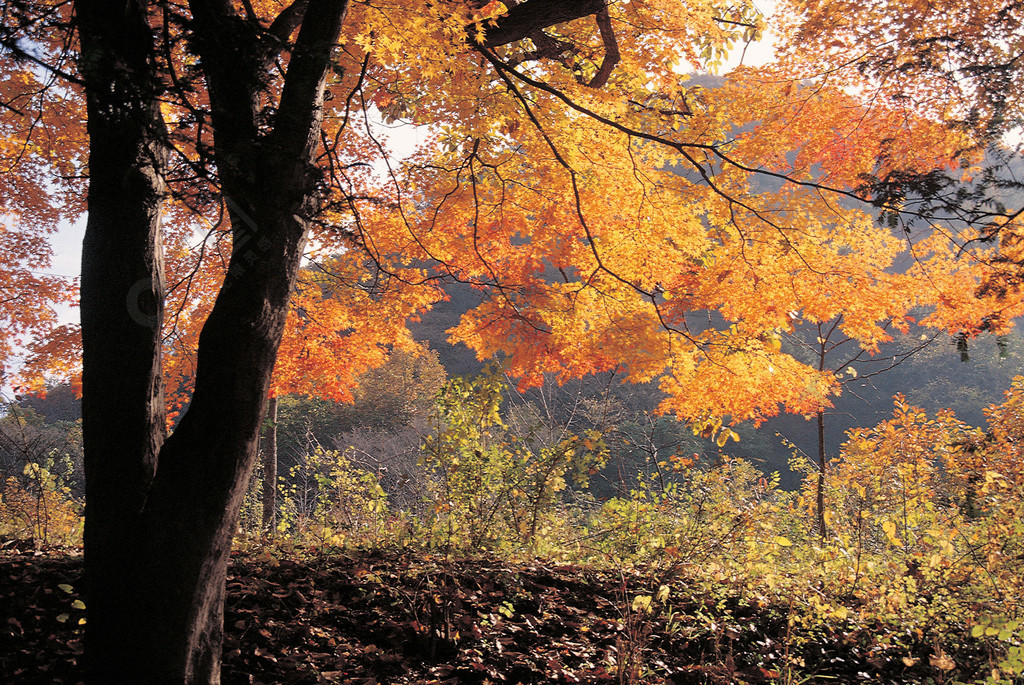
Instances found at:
x=40 y=507
x=491 y=487
x=329 y=502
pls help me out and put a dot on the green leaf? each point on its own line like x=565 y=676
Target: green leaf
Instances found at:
x=66 y=588
x=782 y=541
x=62 y=618
x=78 y=604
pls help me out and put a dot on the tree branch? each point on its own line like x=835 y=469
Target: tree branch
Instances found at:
x=20 y=54
x=288 y=20
x=531 y=16
x=611 y=49
x=301 y=104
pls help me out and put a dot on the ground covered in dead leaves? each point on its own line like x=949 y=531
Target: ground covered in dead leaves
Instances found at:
x=405 y=617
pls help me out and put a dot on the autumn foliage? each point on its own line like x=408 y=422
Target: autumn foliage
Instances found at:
x=639 y=206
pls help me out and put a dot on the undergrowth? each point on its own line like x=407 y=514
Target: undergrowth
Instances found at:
x=921 y=555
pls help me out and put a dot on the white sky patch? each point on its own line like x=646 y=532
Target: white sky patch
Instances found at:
x=67 y=261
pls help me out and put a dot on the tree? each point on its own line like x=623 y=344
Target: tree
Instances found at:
x=31 y=206
x=393 y=385
x=40 y=477
x=833 y=351
x=952 y=62
x=956 y=60
x=603 y=205
x=27 y=298
x=59 y=403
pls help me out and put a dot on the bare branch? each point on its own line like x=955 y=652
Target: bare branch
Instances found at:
x=611 y=49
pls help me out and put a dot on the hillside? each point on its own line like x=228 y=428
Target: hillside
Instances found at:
x=401 y=617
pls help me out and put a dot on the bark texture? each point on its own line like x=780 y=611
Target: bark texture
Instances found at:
x=121 y=311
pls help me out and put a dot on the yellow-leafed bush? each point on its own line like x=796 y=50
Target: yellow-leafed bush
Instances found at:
x=37 y=507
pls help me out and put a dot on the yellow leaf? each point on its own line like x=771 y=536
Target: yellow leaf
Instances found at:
x=642 y=603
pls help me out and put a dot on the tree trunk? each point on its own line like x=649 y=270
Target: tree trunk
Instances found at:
x=822 y=474
x=823 y=349
x=161 y=513
x=270 y=470
x=121 y=310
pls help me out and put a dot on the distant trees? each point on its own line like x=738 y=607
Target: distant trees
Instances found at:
x=41 y=476
x=386 y=401
x=58 y=402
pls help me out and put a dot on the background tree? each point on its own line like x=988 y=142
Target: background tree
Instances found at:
x=387 y=403
x=834 y=352
x=41 y=480
x=39 y=144
x=954 y=63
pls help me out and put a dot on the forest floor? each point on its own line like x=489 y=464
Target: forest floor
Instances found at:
x=405 y=617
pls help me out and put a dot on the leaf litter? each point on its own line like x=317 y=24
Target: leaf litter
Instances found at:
x=402 y=616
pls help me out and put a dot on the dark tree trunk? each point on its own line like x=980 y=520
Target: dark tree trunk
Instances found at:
x=161 y=513
x=270 y=470
x=819 y=505
x=121 y=311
